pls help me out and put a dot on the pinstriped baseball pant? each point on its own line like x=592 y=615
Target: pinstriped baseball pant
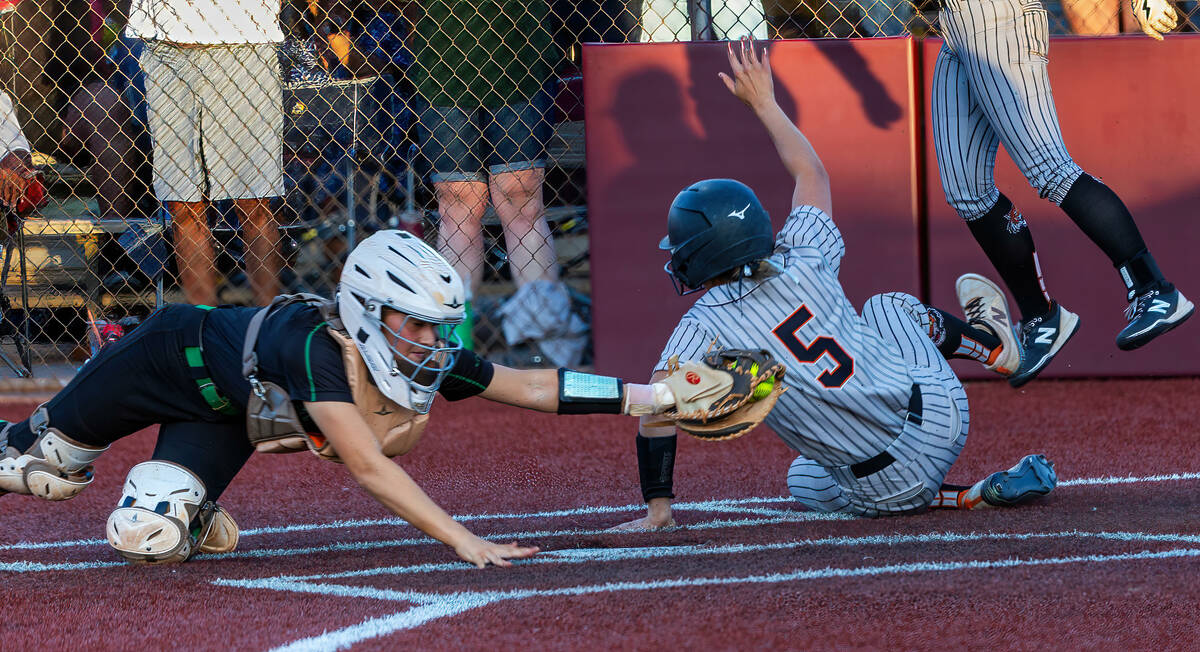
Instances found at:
x=990 y=86
x=924 y=453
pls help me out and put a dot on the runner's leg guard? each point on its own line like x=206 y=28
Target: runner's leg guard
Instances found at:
x=163 y=517
x=55 y=467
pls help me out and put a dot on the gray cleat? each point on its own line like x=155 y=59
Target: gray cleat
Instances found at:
x=1033 y=476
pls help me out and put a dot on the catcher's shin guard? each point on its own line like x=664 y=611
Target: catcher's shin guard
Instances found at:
x=55 y=467
x=163 y=518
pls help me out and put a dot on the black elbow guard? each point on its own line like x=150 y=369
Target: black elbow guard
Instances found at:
x=656 y=466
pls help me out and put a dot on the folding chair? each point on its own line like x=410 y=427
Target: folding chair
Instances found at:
x=18 y=333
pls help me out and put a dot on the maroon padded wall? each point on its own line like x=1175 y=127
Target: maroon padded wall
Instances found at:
x=659 y=118
x=1127 y=106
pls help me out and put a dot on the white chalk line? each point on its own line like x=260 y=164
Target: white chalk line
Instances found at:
x=30 y=567
x=717 y=505
x=593 y=555
x=430 y=607
x=729 y=505
x=1111 y=479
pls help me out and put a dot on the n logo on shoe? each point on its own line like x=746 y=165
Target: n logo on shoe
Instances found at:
x=1160 y=306
x=1045 y=336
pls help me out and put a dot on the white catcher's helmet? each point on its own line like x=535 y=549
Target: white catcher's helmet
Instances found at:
x=395 y=269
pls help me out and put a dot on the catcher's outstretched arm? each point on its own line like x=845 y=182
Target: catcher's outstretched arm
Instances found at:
x=571 y=392
x=751 y=83
x=720 y=397
x=394 y=489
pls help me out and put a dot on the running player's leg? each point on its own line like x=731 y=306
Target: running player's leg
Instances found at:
x=1027 y=122
x=964 y=123
x=1002 y=50
x=965 y=144
x=1012 y=86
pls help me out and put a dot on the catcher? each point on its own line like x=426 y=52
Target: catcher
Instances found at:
x=873 y=408
x=350 y=380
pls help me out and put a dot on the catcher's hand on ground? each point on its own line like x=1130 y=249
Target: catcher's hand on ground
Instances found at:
x=482 y=553
x=726 y=394
x=1157 y=17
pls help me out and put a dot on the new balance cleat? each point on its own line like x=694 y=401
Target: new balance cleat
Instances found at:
x=1151 y=314
x=1033 y=476
x=1041 y=340
x=984 y=304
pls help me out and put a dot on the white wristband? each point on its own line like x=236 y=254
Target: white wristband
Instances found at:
x=641 y=400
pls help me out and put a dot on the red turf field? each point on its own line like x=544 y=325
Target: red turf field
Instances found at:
x=1110 y=560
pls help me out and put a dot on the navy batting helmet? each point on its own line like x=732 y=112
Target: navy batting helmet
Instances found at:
x=714 y=226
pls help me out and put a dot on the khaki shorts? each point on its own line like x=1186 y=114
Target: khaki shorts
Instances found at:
x=216 y=118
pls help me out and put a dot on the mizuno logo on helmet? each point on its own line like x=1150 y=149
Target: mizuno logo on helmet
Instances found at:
x=454 y=303
x=741 y=215
x=444 y=277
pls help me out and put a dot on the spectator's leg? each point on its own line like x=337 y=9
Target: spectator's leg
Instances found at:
x=260 y=233
x=516 y=136
x=733 y=19
x=99 y=120
x=194 y=252
x=1093 y=17
x=243 y=149
x=517 y=196
x=665 y=20
x=174 y=112
x=461 y=205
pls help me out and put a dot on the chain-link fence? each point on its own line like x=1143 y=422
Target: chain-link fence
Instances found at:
x=222 y=151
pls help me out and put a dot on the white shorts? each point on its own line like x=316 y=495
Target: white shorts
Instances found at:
x=216 y=118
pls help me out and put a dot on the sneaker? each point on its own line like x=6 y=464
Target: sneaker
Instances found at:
x=1152 y=314
x=985 y=306
x=1041 y=339
x=1033 y=476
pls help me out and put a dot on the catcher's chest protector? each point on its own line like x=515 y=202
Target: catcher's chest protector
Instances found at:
x=396 y=428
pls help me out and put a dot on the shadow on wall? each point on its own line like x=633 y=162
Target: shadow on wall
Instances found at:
x=715 y=135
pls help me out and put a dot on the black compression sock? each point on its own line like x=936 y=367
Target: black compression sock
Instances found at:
x=1140 y=274
x=1103 y=218
x=1005 y=238
x=956 y=338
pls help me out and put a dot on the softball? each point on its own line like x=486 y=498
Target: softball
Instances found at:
x=763 y=389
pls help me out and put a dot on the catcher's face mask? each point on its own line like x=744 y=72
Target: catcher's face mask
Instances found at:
x=424 y=351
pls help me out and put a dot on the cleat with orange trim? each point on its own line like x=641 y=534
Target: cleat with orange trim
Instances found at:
x=1033 y=476
x=986 y=307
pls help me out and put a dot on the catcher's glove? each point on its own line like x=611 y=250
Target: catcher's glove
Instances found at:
x=725 y=395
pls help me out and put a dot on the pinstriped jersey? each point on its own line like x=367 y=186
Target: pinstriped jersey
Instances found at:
x=848 y=391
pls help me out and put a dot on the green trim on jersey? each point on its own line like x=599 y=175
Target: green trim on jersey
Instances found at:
x=312 y=387
x=476 y=383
